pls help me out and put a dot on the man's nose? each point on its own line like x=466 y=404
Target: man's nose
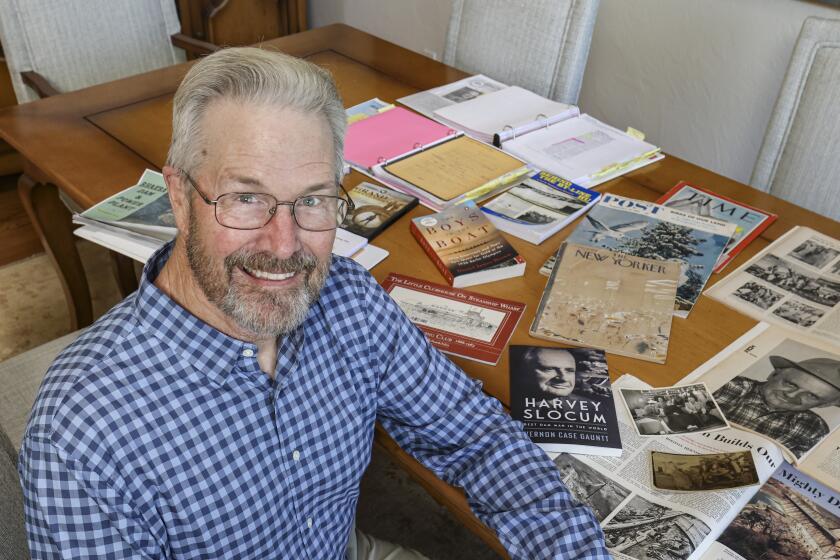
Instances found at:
x=280 y=234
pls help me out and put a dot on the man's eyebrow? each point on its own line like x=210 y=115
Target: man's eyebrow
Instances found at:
x=256 y=184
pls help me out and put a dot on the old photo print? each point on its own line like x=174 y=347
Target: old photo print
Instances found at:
x=664 y=411
x=698 y=473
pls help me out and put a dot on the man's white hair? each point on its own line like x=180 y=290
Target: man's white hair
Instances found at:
x=251 y=76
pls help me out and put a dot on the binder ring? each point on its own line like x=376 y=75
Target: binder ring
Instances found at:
x=545 y=117
x=512 y=131
x=380 y=159
x=417 y=145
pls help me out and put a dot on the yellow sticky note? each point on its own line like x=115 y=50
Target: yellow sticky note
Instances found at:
x=637 y=134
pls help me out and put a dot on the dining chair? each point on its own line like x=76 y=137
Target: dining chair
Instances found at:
x=53 y=47
x=541 y=45
x=798 y=160
x=20 y=377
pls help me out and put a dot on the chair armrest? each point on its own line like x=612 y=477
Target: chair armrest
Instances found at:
x=193 y=45
x=38 y=83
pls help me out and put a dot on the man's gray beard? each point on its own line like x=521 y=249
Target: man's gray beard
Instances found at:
x=263 y=312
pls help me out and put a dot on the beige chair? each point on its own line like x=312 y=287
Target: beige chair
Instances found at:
x=55 y=46
x=799 y=158
x=541 y=45
x=20 y=378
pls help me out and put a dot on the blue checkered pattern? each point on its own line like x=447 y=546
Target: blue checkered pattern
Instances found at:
x=157 y=436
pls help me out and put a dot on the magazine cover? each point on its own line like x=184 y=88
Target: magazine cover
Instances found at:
x=564 y=400
x=603 y=299
x=457 y=322
x=793 y=283
x=792 y=516
x=539 y=206
x=645 y=229
x=375 y=208
x=749 y=221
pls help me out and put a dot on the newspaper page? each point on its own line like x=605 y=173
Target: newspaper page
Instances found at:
x=780 y=384
x=794 y=282
x=427 y=102
x=645 y=229
x=792 y=516
x=641 y=522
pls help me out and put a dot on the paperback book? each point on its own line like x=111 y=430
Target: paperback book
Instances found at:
x=539 y=206
x=613 y=301
x=376 y=207
x=457 y=322
x=564 y=400
x=645 y=229
x=465 y=246
x=749 y=221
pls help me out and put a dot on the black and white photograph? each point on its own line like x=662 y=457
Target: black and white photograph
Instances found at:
x=462 y=94
x=758 y=295
x=665 y=411
x=792 y=279
x=699 y=473
x=835 y=268
x=791 y=395
x=448 y=315
x=799 y=313
x=814 y=253
x=590 y=487
x=647 y=531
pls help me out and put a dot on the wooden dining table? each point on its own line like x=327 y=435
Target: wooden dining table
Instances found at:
x=92 y=143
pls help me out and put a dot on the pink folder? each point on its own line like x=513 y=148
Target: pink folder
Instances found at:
x=390 y=134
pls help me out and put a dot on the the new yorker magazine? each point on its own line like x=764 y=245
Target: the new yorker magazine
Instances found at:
x=649 y=230
x=603 y=299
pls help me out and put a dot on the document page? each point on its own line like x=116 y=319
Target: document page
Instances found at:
x=452 y=168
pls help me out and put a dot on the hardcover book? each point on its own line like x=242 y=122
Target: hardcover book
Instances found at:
x=564 y=399
x=457 y=322
x=749 y=221
x=376 y=207
x=539 y=206
x=613 y=301
x=465 y=246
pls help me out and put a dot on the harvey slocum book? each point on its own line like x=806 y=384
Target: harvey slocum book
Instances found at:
x=564 y=399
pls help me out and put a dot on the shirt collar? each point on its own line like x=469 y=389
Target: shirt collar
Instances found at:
x=207 y=349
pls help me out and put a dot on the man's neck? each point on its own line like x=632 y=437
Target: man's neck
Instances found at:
x=176 y=280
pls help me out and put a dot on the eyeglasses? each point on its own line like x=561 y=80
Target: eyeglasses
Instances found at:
x=244 y=210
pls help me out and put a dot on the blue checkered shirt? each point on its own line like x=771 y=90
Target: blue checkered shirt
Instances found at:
x=156 y=436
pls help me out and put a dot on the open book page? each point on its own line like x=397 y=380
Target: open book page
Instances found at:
x=455 y=167
x=642 y=522
x=791 y=516
x=427 y=102
x=782 y=385
x=579 y=148
x=513 y=107
x=794 y=283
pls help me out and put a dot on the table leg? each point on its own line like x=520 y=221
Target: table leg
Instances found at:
x=54 y=226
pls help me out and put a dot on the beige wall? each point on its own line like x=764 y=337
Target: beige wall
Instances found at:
x=700 y=77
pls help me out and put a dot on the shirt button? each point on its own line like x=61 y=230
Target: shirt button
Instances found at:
x=296 y=455
x=309 y=522
x=248 y=353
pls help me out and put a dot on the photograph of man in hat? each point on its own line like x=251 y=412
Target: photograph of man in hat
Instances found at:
x=783 y=406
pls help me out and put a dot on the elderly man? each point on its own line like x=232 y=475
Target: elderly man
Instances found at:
x=782 y=407
x=226 y=409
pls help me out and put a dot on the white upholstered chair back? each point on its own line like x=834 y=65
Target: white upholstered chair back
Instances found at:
x=541 y=45
x=79 y=43
x=800 y=157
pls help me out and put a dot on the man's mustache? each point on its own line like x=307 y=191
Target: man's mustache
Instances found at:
x=267 y=262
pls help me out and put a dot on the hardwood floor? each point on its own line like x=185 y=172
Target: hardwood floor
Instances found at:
x=17 y=238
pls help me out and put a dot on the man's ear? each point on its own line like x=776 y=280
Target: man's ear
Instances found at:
x=179 y=193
